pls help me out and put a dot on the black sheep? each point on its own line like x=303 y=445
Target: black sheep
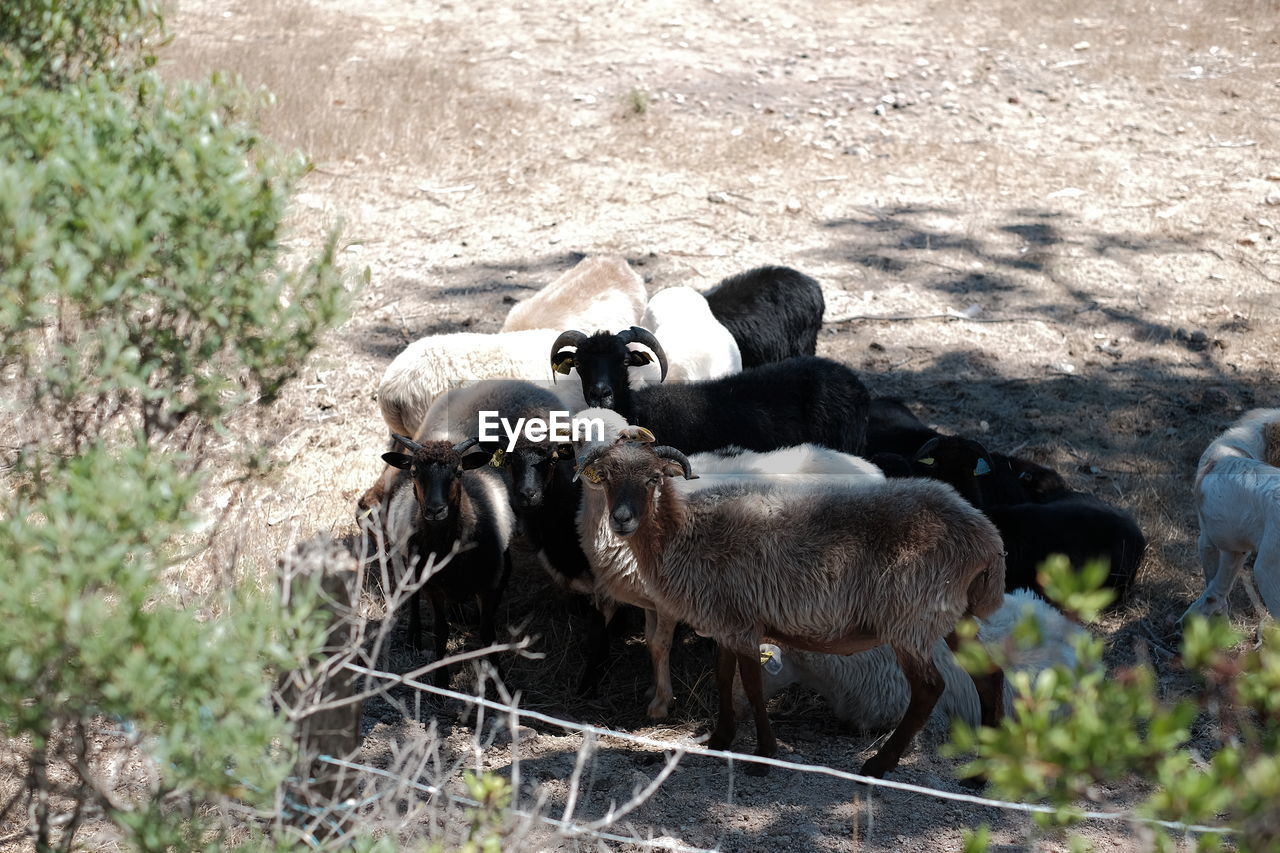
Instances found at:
x=774 y=313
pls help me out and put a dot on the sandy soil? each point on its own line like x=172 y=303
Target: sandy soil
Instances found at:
x=1096 y=187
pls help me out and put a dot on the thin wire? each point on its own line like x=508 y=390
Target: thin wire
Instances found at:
x=693 y=749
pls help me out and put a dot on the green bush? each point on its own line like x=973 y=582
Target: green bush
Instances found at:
x=1081 y=729
x=143 y=296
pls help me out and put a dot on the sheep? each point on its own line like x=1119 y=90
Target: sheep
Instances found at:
x=1237 y=493
x=868 y=690
x=613 y=565
x=432 y=365
x=445 y=494
x=605 y=362
x=601 y=292
x=840 y=569
x=894 y=428
x=698 y=346
x=1080 y=526
x=791 y=402
x=774 y=313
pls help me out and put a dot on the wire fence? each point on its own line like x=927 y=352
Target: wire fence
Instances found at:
x=872 y=782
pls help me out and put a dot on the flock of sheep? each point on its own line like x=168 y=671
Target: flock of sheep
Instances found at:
x=727 y=478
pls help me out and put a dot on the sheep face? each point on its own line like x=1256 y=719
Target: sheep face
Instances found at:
x=1041 y=484
x=603 y=360
x=630 y=472
x=436 y=469
x=533 y=467
x=958 y=462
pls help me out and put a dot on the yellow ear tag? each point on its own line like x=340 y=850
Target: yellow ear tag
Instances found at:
x=645 y=436
x=496 y=460
x=766 y=655
x=928 y=460
x=591 y=475
x=564 y=365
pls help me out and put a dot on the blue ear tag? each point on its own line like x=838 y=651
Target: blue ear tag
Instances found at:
x=981 y=468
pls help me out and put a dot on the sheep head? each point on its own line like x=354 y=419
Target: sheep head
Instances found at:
x=436 y=469
x=603 y=361
x=959 y=462
x=629 y=471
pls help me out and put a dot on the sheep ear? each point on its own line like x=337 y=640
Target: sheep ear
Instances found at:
x=563 y=364
x=636 y=433
x=673 y=469
x=562 y=451
x=499 y=458
x=591 y=474
x=928 y=460
x=397 y=460
x=981 y=468
x=637 y=358
x=476 y=458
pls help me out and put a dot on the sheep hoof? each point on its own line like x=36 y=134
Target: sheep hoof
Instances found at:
x=753 y=769
x=659 y=708
x=876 y=769
x=973 y=783
x=719 y=740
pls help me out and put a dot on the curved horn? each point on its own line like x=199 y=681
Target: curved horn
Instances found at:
x=587 y=458
x=406 y=441
x=465 y=445
x=570 y=338
x=640 y=335
x=667 y=452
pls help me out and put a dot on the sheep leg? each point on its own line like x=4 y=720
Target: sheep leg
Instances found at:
x=1214 y=598
x=726 y=724
x=440 y=610
x=749 y=670
x=489 y=600
x=1209 y=558
x=659 y=635
x=599 y=638
x=1266 y=571
x=415 y=621
x=926 y=687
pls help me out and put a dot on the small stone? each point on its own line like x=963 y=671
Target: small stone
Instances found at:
x=1032 y=413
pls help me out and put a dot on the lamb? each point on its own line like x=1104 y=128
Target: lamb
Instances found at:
x=797 y=401
x=698 y=346
x=983 y=479
x=612 y=563
x=774 y=313
x=601 y=292
x=839 y=569
x=868 y=690
x=1237 y=491
x=894 y=428
x=440 y=498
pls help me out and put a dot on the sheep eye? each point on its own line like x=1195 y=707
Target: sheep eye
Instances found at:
x=928 y=460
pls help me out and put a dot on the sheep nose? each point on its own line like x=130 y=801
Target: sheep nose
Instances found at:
x=530 y=497
x=435 y=513
x=623 y=521
x=602 y=396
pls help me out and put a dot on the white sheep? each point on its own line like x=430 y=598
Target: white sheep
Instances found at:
x=697 y=345
x=869 y=691
x=601 y=292
x=1237 y=492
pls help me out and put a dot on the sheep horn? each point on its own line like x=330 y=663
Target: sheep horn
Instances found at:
x=666 y=452
x=640 y=335
x=465 y=445
x=570 y=338
x=590 y=456
x=406 y=441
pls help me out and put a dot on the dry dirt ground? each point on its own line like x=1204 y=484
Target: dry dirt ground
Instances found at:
x=1095 y=185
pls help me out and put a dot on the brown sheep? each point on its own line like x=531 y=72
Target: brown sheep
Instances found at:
x=839 y=569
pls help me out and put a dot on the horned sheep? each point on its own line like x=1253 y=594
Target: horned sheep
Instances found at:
x=612 y=562
x=841 y=568
x=439 y=501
